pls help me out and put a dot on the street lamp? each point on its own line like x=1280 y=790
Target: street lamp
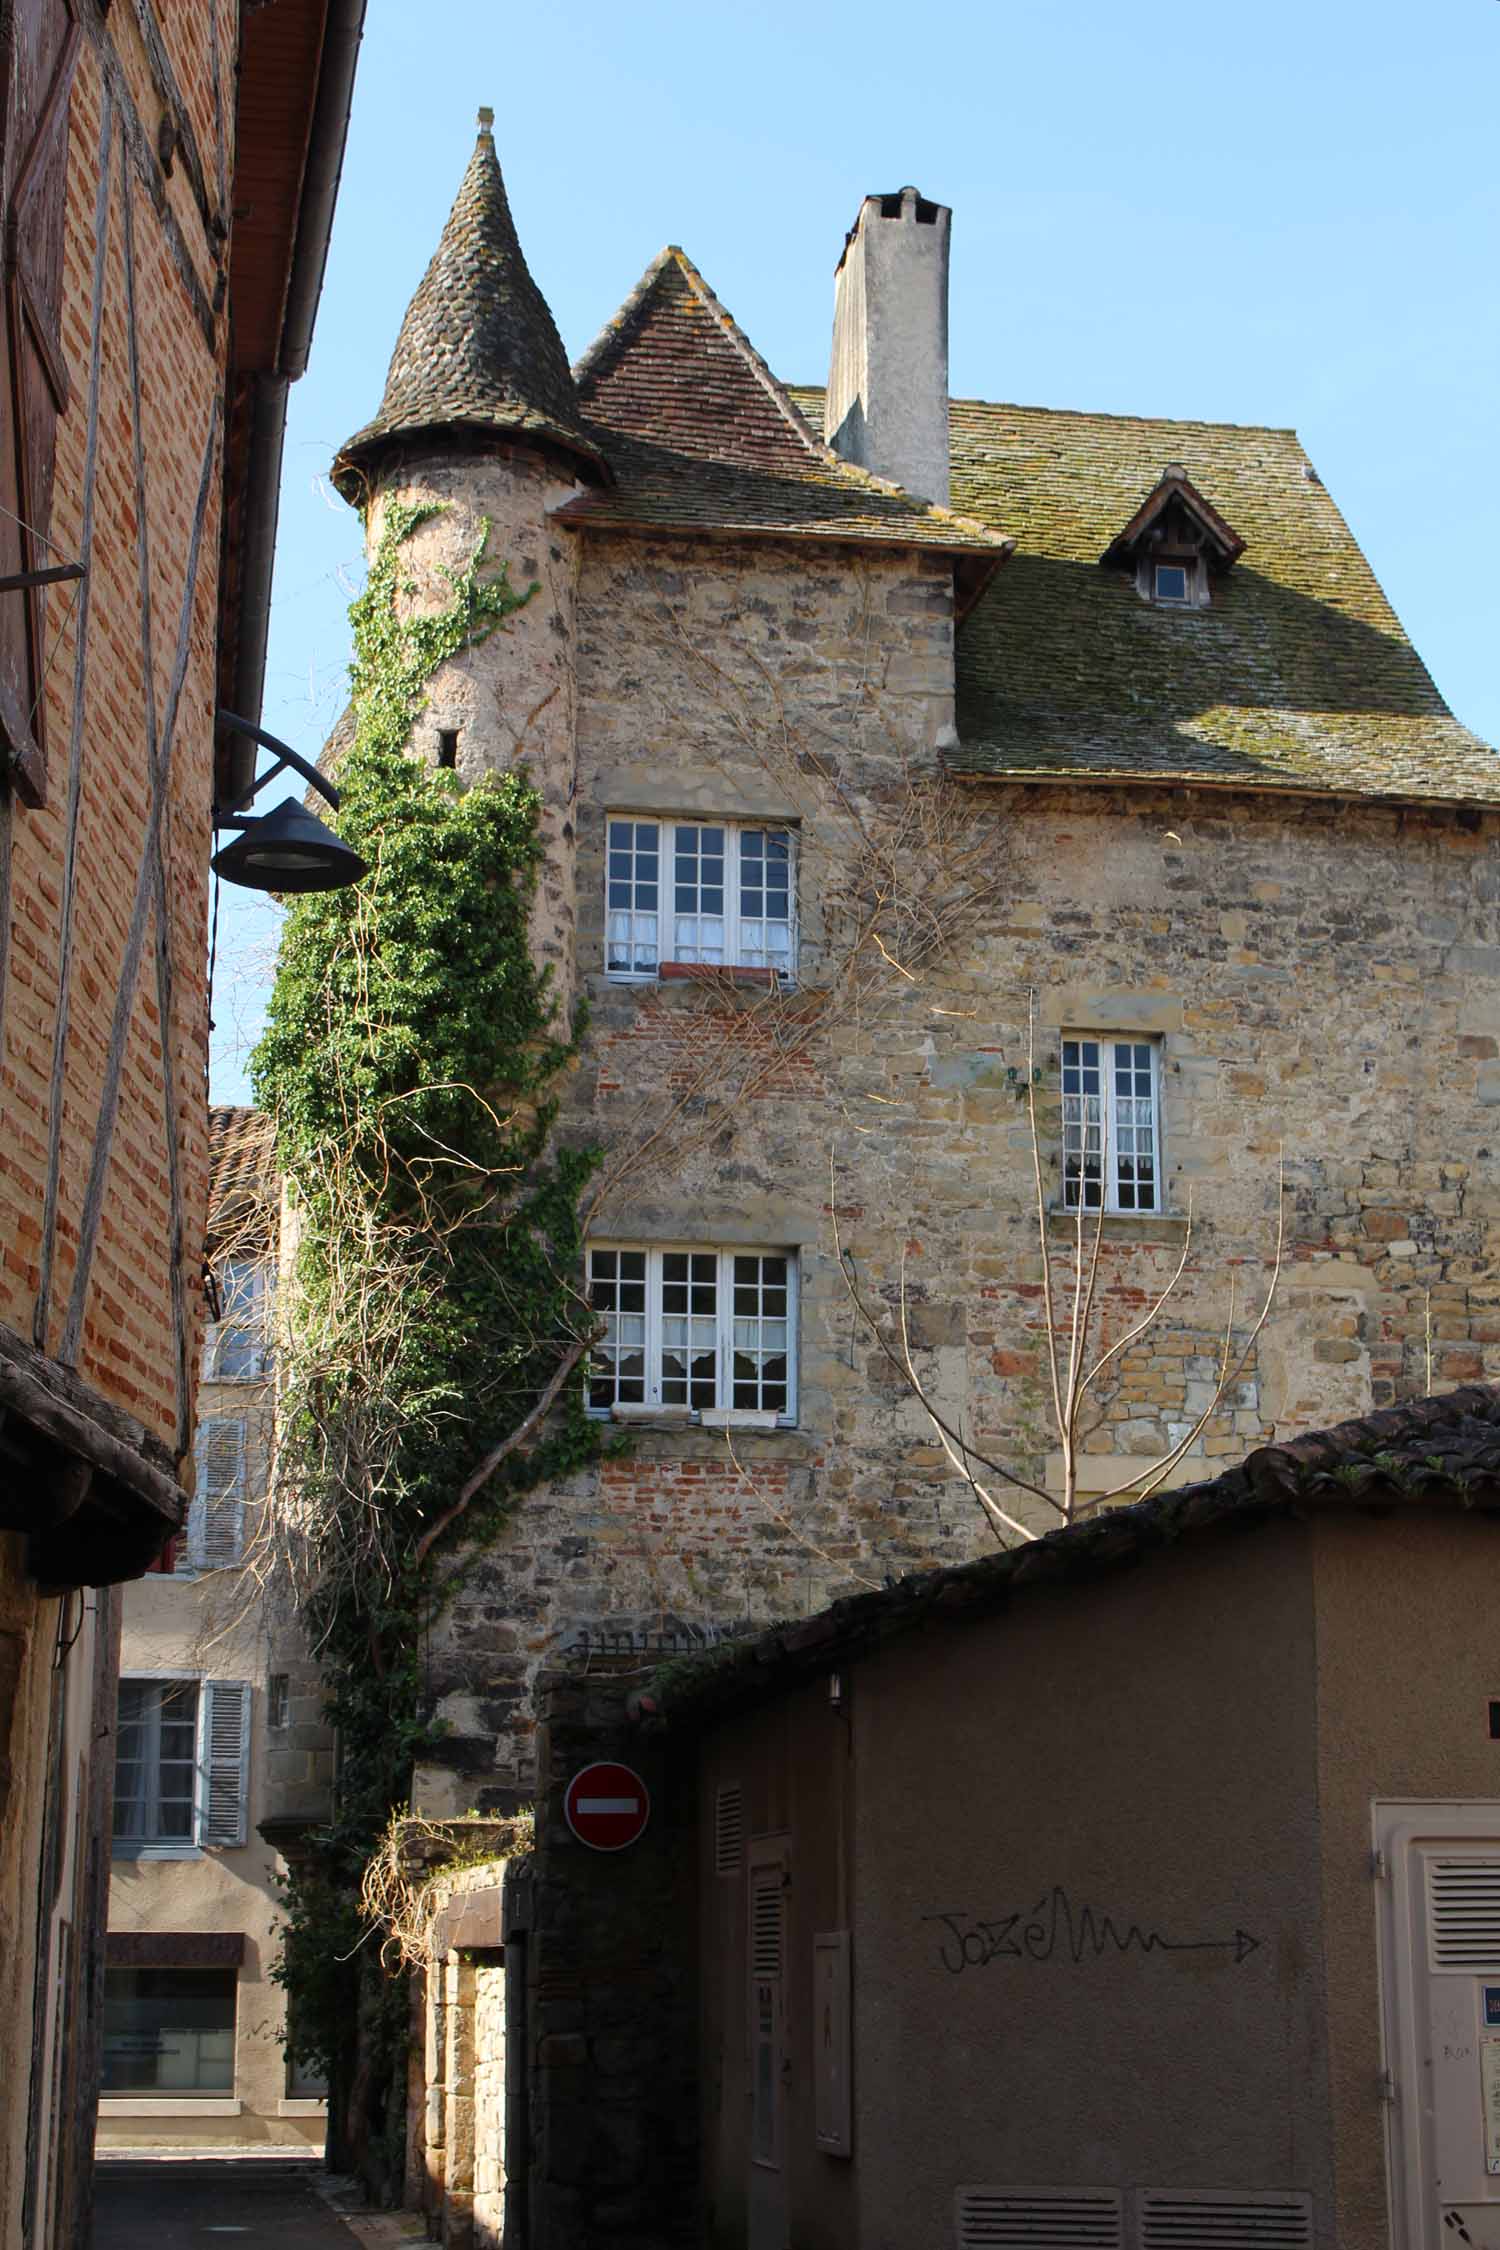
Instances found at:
x=289 y=848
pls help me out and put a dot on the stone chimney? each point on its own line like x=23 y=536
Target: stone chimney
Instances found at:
x=887 y=405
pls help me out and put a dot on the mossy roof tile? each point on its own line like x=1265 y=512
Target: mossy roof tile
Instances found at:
x=1298 y=676
x=478 y=348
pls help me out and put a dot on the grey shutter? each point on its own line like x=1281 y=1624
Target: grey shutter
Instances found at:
x=216 y=1519
x=223 y=1761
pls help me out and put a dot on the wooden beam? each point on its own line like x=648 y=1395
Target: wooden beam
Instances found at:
x=53 y=1403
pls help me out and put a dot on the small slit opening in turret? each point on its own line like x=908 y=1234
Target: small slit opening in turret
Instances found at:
x=447 y=748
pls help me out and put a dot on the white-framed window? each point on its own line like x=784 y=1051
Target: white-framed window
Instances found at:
x=237 y=1346
x=712 y=1331
x=1174 y=579
x=216 y=1519
x=1111 y=1094
x=721 y=894
x=182 y=1748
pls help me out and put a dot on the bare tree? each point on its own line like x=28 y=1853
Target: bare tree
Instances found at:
x=1074 y=1362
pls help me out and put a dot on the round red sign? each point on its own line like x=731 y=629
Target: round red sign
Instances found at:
x=607 y=1807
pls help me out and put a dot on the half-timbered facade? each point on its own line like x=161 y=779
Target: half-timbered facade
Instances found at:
x=167 y=184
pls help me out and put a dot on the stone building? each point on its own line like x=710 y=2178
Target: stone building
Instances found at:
x=222 y=1755
x=166 y=190
x=981 y=751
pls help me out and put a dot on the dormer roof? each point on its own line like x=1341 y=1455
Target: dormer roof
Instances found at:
x=1175 y=509
x=478 y=349
x=702 y=438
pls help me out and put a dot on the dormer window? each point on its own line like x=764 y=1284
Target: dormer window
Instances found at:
x=1175 y=545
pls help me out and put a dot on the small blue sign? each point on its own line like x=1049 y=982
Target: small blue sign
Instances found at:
x=1492 y=2006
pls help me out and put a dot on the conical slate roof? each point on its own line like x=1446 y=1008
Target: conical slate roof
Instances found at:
x=478 y=348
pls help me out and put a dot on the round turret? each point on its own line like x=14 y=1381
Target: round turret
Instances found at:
x=480 y=430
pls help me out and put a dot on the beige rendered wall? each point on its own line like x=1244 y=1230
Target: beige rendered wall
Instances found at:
x=1145 y=1748
x=1407 y=1660
x=217 y=1626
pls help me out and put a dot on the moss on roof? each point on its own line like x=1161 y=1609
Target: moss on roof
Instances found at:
x=478 y=348
x=703 y=438
x=1298 y=676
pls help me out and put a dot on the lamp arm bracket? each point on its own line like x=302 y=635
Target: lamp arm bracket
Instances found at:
x=228 y=723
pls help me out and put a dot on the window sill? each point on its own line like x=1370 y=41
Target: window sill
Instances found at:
x=1120 y=1226
x=717 y=972
x=169 y=2105
x=689 y=1418
x=721 y=976
x=122 y=1848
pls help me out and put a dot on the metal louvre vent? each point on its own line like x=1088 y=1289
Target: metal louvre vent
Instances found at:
x=765 y=1923
x=1040 y=2219
x=1219 y=2219
x=1463 y=1913
x=729 y=1829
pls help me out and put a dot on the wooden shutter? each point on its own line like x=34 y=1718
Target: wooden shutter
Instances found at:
x=38 y=49
x=216 y=1519
x=223 y=1761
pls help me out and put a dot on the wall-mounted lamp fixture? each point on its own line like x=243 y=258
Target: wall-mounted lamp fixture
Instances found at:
x=289 y=848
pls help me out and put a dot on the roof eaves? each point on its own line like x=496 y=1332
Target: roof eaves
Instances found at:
x=596 y=511
x=1433 y=1453
x=967 y=767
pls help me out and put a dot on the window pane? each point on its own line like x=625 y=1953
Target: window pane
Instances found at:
x=1083 y=1123
x=630 y=946
x=689 y=1328
x=699 y=928
x=239 y=1339
x=760 y=1334
x=156 y=1761
x=766 y=899
x=617 y=1361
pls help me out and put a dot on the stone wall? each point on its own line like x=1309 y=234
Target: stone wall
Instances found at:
x=1323 y=978
x=510 y=698
x=461 y=2103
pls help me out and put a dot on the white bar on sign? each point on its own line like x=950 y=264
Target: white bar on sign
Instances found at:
x=608 y=1804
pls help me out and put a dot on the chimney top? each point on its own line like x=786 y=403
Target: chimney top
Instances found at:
x=899 y=203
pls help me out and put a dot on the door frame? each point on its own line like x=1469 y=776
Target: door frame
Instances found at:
x=1396 y=1824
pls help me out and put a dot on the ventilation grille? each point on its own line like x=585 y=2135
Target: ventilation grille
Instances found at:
x=1463 y=1913
x=765 y=1923
x=1040 y=2219
x=1205 y=2219
x=729 y=1829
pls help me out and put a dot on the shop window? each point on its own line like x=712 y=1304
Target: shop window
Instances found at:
x=169 y=2031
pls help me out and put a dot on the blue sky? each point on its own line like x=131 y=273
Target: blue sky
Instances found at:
x=1285 y=214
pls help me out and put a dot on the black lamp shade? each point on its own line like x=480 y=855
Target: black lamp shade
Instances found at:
x=288 y=849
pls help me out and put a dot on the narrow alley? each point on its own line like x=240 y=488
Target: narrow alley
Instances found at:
x=194 y=2203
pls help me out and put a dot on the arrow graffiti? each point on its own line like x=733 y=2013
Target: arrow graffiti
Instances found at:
x=1055 y=1930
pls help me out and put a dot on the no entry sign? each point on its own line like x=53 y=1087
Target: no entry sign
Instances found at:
x=607 y=1807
